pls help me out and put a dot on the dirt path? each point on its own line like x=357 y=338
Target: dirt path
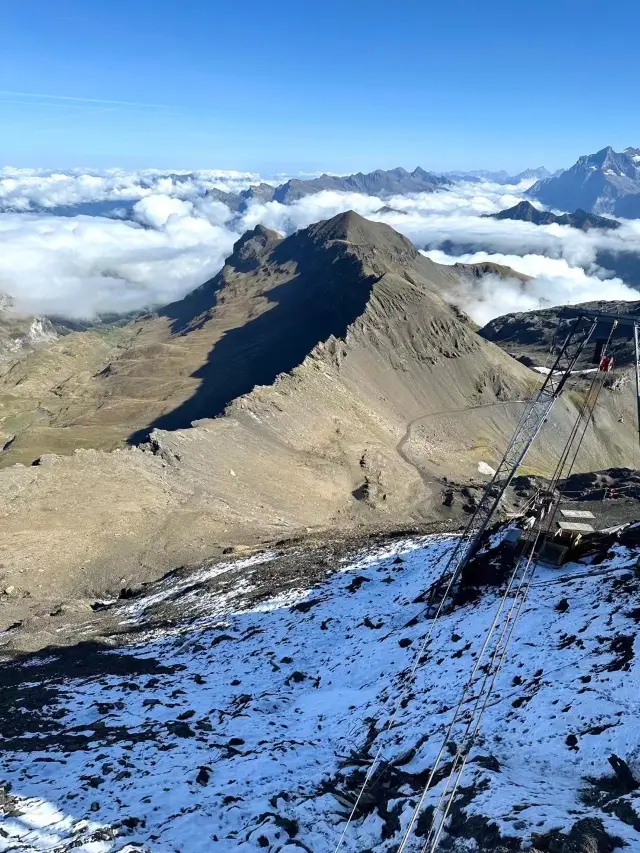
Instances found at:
x=429 y=481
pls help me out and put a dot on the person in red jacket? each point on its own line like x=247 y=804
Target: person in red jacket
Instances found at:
x=606 y=363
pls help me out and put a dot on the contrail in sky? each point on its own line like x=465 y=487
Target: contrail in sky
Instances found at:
x=85 y=100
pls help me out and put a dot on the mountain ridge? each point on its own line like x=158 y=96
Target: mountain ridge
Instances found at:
x=524 y=211
x=501 y=176
x=326 y=385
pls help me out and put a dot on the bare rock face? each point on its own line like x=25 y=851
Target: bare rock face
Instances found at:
x=271 y=305
x=249 y=249
x=21 y=334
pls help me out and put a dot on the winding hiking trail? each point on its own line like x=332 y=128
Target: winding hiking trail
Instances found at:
x=430 y=481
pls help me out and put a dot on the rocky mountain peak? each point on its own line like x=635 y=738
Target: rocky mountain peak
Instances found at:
x=525 y=208
x=600 y=158
x=354 y=228
x=251 y=246
x=605 y=182
x=419 y=172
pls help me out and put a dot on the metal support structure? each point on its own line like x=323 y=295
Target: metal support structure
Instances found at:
x=529 y=426
x=620 y=320
x=637 y=353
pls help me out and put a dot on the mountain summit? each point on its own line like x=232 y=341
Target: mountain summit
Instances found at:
x=605 y=182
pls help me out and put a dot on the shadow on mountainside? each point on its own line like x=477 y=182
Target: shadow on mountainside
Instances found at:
x=322 y=300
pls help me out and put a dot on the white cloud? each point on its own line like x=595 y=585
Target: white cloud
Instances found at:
x=554 y=282
x=32 y=189
x=178 y=238
x=86 y=265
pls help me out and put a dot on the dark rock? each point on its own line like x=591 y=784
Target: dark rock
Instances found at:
x=204 y=774
x=133 y=822
x=624 y=774
x=305 y=606
x=589 y=836
x=180 y=729
x=357 y=582
x=489 y=762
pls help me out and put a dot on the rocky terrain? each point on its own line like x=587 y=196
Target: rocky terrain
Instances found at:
x=220 y=525
x=239 y=706
x=381 y=183
x=605 y=182
x=359 y=418
x=529 y=335
x=20 y=335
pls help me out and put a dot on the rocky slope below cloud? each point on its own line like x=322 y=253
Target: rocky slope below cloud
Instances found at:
x=605 y=182
x=238 y=707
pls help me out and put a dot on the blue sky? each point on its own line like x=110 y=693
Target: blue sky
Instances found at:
x=290 y=86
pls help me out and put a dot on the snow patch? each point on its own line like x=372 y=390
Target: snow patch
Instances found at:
x=231 y=735
x=484 y=468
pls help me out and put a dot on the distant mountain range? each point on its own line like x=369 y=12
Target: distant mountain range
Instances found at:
x=381 y=183
x=502 y=177
x=524 y=211
x=605 y=182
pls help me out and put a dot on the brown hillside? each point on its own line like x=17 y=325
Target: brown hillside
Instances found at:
x=395 y=393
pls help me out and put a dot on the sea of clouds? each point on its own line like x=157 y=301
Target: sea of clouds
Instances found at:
x=164 y=236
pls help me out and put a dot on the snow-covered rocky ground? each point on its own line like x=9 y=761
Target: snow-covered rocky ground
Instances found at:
x=232 y=704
